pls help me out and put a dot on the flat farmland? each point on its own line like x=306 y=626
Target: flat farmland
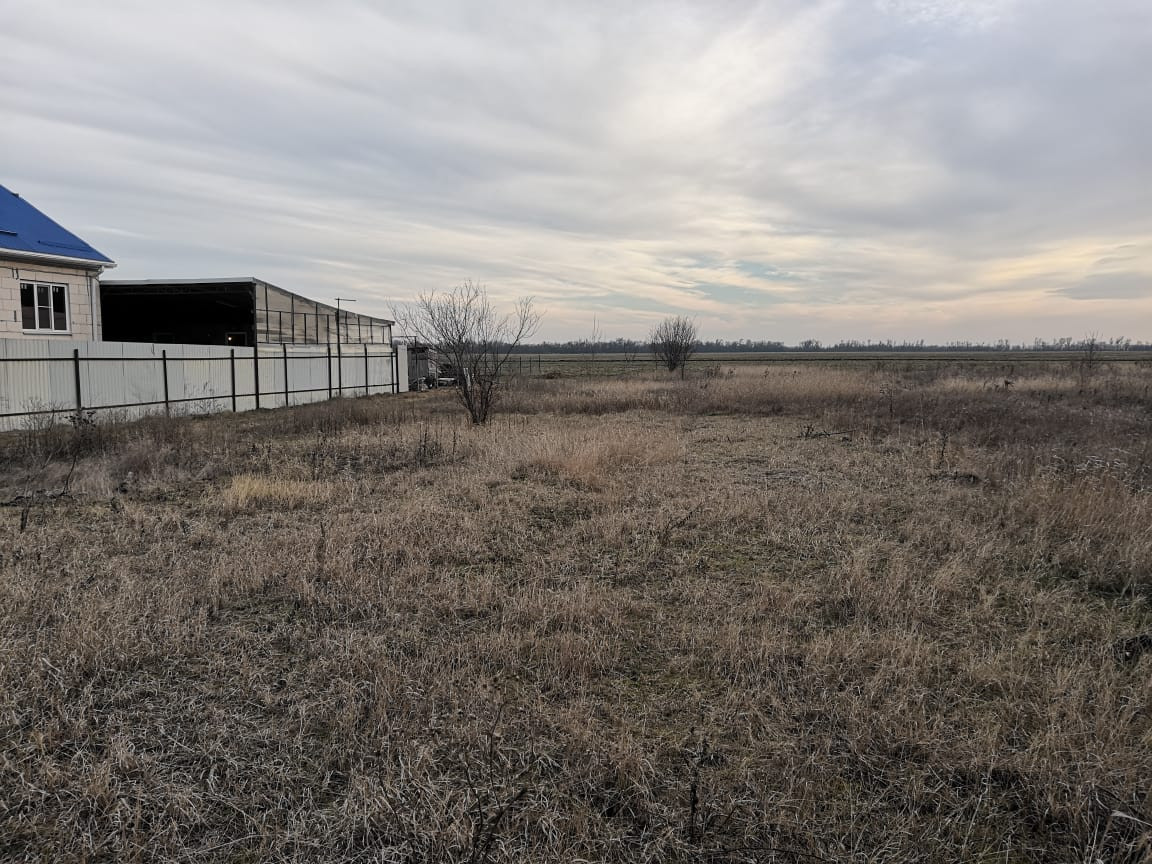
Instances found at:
x=991 y=362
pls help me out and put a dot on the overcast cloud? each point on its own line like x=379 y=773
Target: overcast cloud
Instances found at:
x=939 y=169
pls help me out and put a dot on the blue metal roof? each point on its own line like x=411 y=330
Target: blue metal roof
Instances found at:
x=24 y=229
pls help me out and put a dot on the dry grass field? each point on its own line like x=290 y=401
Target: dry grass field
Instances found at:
x=785 y=614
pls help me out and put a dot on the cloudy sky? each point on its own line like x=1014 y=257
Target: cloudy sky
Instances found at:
x=938 y=169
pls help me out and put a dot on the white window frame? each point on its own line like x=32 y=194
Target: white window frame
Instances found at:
x=36 y=286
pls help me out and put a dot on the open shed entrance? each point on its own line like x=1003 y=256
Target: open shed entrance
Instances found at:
x=211 y=314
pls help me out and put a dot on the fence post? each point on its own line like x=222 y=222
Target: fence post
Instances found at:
x=232 y=368
x=164 y=367
x=284 y=351
x=329 y=368
x=256 y=371
x=76 y=377
x=366 y=393
x=339 y=362
x=395 y=369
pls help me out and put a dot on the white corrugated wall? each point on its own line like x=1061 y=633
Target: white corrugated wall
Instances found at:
x=45 y=375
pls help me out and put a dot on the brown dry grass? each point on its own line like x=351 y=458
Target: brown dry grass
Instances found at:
x=628 y=621
x=248 y=491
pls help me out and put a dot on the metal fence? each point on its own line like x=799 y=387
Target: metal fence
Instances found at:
x=41 y=378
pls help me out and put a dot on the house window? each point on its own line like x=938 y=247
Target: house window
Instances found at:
x=44 y=306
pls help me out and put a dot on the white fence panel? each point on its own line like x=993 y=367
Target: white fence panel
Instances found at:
x=245 y=380
x=201 y=378
x=272 y=379
x=380 y=373
x=121 y=375
x=401 y=367
x=132 y=378
x=351 y=370
x=308 y=372
x=36 y=378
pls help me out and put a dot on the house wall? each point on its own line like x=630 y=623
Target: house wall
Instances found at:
x=83 y=299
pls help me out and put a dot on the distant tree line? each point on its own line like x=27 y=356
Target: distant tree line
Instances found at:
x=634 y=347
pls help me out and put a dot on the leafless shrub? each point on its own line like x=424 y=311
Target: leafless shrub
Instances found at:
x=464 y=327
x=673 y=342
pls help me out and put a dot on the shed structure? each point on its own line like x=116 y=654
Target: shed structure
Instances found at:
x=238 y=312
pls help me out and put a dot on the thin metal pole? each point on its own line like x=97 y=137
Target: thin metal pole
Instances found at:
x=164 y=367
x=339 y=362
x=256 y=371
x=329 y=368
x=76 y=376
x=366 y=369
x=232 y=369
x=284 y=351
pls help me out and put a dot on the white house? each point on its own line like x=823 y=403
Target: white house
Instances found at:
x=49 y=277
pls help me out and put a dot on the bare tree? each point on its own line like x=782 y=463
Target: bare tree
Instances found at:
x=465 y=329
x=1090 y=353
x=631 y=351
x=592 y=343
x=673 y=342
